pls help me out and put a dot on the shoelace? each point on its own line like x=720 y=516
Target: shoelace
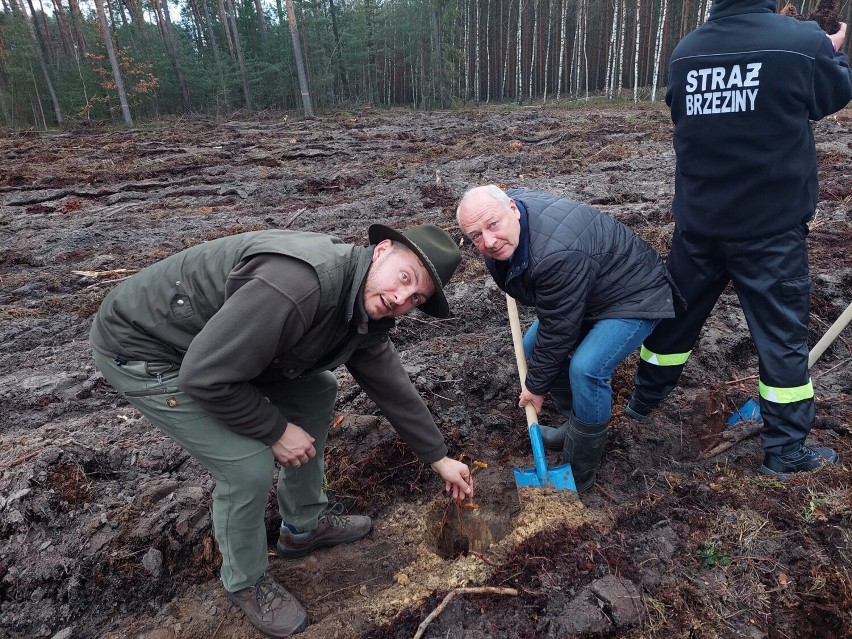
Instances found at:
x=268 y=595
x=334 y=516
x=803 y=453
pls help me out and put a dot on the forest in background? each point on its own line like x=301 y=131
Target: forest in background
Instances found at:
x=214 y=57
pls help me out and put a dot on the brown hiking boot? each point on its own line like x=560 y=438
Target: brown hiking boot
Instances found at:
x=332 y=529
x=270 y=608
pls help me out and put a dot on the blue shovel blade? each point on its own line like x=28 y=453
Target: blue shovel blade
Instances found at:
x=747 y=412
x=559 y=477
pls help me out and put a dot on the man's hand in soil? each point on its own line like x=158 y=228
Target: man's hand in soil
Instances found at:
x=294 y=447
x=456 y=474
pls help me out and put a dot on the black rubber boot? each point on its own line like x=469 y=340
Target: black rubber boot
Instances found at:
x=554 y=438
x=584 y=447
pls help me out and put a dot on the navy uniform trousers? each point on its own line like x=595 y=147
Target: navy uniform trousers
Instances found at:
x=770 y=276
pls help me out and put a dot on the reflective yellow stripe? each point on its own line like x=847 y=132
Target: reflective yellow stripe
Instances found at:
x=787 y=395
x=675 y=359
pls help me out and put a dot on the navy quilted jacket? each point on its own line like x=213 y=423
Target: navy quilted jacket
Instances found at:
x=578 y=265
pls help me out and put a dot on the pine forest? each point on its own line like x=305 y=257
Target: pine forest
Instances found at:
x=126 y=60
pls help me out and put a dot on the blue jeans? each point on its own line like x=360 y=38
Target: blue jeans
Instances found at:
x=590 y=368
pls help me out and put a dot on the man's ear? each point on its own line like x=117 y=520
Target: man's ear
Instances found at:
x=514 y=208
x=382 y=247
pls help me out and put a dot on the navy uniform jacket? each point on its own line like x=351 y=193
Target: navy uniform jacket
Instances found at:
x=742 y=90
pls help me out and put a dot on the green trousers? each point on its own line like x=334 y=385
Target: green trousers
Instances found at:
x=242 y=467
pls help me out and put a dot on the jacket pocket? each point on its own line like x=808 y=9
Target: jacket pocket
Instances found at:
x=165 y=374
x=796 y=304
x=181 y=307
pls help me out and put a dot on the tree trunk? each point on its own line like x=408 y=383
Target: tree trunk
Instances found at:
x=610 y=51
x=174 y=55
x=622 y=31
x=37 y=112
x=519 y=84
x=503 y=87
x=261 y=21
x=637 y=40
x=40 y=55
x=581 y=67
x=702 y=15
x=64 y=29
x=77 y=23
x=547 y=49
x=226 y=29
x=342 y=77
x=197 y=27
x=533 y=46
x=477 y=82
x=113 y=61
x=4 y=107
x=124 y=21
x=574 y=84
x=229 y=10
x=466 y=63
x=562 y=51
x=214 y=47
x=43 y=31
x=488 y=51
x=441 y=98
x=300 y=63
x=658 y=49
x=138 y=20
x=372 y=72
x=4 y=86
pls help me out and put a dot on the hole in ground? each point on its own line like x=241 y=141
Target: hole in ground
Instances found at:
x=458 y=531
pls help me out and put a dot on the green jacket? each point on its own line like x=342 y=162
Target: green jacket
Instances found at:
x=256 y=308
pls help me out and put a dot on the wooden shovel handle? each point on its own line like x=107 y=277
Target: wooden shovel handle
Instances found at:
x=830 y=335
x=517 y=342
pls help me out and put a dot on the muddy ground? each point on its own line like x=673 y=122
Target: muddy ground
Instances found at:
x=105 y=525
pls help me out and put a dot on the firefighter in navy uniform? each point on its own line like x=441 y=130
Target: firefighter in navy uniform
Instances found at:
x=742 y=90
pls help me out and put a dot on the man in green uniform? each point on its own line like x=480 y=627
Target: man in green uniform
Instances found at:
x=228 y=348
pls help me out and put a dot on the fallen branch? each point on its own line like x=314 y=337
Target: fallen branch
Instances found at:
x=732 y=436
x=742 y=379
x=117 y=271
x=292 y=218
x=20 y=460
x=842 y=363
x=461 y=591
x=102 y=282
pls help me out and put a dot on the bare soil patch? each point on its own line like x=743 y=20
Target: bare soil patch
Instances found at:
x=104 y=524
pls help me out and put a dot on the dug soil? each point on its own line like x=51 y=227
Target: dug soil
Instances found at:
x=105 y=526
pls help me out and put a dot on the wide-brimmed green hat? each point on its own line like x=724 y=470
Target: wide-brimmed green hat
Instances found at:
x=435 y=248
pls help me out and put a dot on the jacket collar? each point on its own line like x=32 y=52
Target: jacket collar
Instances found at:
x=521 y=257
x=726 y=8
x=357 y=312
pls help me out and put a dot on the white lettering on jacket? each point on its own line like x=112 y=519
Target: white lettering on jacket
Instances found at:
x=722 y=89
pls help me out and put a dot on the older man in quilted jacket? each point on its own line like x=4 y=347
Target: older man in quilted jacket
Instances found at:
x=598 y=290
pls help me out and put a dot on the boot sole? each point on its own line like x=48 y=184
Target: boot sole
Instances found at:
x=784 y=475
x=290 y=553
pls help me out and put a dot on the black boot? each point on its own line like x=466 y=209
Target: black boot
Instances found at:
x=584 y=446
x=554 y=438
